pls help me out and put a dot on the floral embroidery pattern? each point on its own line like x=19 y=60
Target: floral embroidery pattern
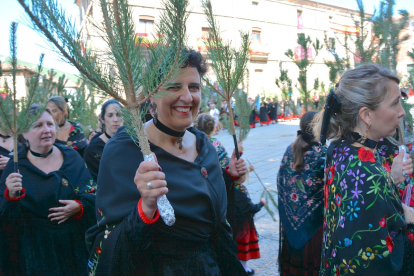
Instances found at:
x=301 y=192
x=221 y=152
x=363 y=215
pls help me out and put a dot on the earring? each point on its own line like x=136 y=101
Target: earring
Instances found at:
x=26 y=143
x=154 y=112
x=365 y=135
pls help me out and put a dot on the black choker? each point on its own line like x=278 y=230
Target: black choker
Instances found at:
x=41 y=155
x=366 y=142
x=61 y=125
x=4 y=137
x=170 y=132
x=107 y=136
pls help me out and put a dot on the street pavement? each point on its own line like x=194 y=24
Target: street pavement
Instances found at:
x=264 y=149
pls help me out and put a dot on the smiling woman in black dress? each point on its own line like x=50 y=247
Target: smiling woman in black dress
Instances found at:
x=111 y=121
x=129 y=238
x=42 y=229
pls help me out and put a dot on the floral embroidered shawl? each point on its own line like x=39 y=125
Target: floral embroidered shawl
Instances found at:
x=301 y=195
x=363 y=214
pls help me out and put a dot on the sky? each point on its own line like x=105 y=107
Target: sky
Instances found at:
x=31 y=45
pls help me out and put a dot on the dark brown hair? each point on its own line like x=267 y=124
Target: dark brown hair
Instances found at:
x=205 y=123
x=300 y=146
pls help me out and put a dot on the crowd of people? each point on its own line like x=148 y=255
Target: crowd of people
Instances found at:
x=341 y=208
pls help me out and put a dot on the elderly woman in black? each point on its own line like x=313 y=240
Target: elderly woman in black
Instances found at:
x=129 y=238
x=111 y=120
x=69 y=133
x=42 y=227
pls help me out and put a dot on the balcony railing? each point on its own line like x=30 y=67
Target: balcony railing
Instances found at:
x=259 y=51
x=147 y=39
x=201 y=45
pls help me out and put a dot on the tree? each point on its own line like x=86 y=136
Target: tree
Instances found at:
x=387 y=33
x=14 y=113
x=128 y=68
x=304 y=62
x=339 y=64
x=379 y=37
x=228 y=64
x=49 y=86
x=285 y=85
x=84 y=104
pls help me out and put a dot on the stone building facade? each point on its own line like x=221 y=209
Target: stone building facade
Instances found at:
x=274 y=25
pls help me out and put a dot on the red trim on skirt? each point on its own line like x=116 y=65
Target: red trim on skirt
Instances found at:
x=301 y=262
x=248 y=246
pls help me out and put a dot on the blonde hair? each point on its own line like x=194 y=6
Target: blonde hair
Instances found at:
x=363 y=86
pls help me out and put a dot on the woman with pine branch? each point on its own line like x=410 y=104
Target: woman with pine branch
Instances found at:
x=111 y=120
x=69 y=133
x=300 y=190
x=129 y=238
x=45 y=208
x=241 y=209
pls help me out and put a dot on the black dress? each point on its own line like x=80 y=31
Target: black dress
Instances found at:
x=31 y=244
x=253 y=115
x=93 y=154
x=199 y=243
x=272 y=109
x=264 y=119
x=76 y=139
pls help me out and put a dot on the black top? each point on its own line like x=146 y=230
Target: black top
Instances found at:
x=92 y=156
x=76 y=139
x=198 y=243
x=272 y=110
x=9 y=154
x=263 y=113
x=34 y=244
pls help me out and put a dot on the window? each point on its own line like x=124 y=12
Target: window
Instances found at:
x=205 y=32
x=256 y=35
x=300 y=20
x=254 y=3
x=146 y=26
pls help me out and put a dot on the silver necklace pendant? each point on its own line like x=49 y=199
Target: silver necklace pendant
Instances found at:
x=180 y=142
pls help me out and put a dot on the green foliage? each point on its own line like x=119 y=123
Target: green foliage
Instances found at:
x=379 y=36
x=284 y=83
x=229 y=64
x=49 y=87
x=84 y=105
x=304 y=64
x=387 y=33
x=242 y=109
x=14 y=115
x=127 y=68
x=339 y=64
